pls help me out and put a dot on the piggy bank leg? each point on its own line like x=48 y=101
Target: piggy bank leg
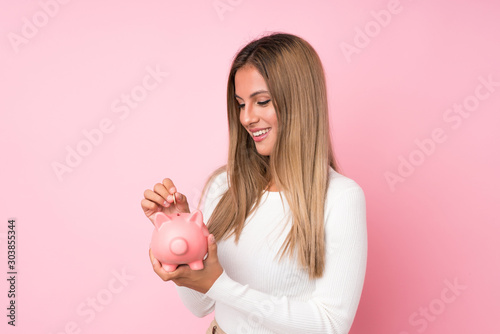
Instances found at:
x=169 y=267
x=196 y=265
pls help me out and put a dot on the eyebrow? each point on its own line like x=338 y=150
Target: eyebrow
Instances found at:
x=254 y=93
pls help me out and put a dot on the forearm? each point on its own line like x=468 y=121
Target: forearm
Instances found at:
x=198 y=303
x=281 y=314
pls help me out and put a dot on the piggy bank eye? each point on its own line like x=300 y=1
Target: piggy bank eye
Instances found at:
x=178 y=214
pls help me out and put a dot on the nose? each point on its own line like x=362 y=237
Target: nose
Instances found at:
x=248 y=115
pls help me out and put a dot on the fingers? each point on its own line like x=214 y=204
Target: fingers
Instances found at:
x=154 y=261
x=181 y=202
x=168 y=192
x=149 y=208
x=161 y=194
x=212 y=248
x=198 y=280
x=147 y=205
x=177 y=276
x=169 y=186
x=155 y=197
x=177 y=199
x=173 y=196
x=164 y=275
x=164 y=197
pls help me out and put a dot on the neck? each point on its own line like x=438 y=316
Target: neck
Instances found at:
x=272 y=187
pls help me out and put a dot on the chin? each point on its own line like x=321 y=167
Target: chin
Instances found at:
x=265 y=153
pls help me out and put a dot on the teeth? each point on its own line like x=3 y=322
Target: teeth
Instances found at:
x=261 y=132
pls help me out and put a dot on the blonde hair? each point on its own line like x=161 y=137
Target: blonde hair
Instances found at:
x=299 y=163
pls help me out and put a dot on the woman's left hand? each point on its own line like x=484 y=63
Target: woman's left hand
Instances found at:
x=199 y=280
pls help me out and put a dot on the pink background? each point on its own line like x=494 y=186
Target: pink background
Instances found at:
x=75 y=233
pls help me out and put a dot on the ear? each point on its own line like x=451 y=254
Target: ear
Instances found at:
x=197 y=218
x=160 y=218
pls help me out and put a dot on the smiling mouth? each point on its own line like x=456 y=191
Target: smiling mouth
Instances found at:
x=261 y=132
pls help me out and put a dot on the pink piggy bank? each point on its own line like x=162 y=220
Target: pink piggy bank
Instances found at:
x=180 y=238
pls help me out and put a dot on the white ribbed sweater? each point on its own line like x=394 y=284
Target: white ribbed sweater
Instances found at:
x=257 y=293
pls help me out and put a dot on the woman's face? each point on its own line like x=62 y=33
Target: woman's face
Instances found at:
x=257 y=114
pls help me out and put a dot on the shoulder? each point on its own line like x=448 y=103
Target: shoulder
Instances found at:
x=343 y=188
x=217 y=183
x=214 y=189
x=339 y=183
x=345 y=207
x=219 y=179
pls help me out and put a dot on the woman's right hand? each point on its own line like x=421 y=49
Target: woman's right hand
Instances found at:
x=161 y=199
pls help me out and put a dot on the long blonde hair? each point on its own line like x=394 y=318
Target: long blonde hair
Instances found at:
x=302 y=154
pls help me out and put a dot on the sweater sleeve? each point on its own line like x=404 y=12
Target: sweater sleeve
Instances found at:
x=198 y=303
x=337 y=293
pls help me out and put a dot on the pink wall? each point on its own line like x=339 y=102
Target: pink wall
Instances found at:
x=414 y=89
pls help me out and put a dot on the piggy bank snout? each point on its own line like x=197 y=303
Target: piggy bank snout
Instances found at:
x=179 y=246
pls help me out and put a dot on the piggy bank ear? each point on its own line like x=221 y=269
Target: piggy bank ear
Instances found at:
x=196 y=217
x=160 y=218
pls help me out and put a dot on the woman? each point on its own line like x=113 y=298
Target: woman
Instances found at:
x=288 y=244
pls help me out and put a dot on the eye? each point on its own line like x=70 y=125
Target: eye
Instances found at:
x=240 y=105
x=263 y=103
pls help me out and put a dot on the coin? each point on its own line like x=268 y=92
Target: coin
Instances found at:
x=175 y=202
